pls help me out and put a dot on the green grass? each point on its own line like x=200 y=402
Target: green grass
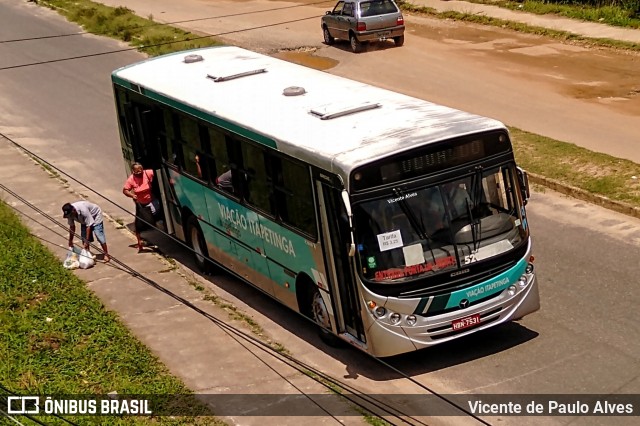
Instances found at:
x=611 y=15
x=59 y=339
x=517 y=26
x=572 y=165
x=122 y=24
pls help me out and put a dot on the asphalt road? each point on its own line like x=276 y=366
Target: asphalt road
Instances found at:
x=63 y=111
x=583 y=340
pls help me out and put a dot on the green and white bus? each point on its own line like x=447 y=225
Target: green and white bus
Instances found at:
x=392 y=222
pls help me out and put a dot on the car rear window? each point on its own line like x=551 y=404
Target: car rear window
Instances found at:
x=377 y=7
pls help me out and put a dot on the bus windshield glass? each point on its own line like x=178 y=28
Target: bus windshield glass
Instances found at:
x=417 y=233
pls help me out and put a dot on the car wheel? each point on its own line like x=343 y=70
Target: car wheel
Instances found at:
x=399 y=41
x=328 y=39
x=356 y=45
x=198 y=244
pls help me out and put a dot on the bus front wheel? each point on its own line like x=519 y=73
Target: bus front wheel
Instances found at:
x=320 y=315
x=198 y=244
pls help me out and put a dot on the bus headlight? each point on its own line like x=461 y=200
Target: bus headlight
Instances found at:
x=380 y=311
x=411 y=320
x=512 y=290
x=529 y=269
x=395 y=318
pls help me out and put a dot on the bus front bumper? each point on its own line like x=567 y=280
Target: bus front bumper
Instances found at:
x=429 y=331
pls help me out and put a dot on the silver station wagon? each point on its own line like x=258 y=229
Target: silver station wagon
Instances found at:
x=361 y=21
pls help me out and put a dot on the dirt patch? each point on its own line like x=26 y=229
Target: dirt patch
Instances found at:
x=604 y=76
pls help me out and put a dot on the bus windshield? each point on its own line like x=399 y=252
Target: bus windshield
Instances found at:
x=412 y=234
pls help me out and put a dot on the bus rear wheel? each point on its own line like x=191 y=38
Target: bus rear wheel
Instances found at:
x=198 y=244
x=320 y=315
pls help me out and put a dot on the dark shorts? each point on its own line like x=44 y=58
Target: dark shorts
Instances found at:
x=145 y=218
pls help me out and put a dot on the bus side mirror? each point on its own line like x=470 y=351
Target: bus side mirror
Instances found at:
x=347 y=208
x=523 y=179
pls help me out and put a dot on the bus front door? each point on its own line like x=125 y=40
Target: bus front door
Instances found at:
x=336 y=240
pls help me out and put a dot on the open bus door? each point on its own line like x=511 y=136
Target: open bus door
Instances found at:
x=336 y=239
x=141 y=136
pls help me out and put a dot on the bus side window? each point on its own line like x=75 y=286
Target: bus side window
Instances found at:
x=216 y=144
x=254 y=177
x=293 y=195
x=191 y=146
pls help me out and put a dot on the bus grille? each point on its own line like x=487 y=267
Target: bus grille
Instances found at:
x=453 y=285
x=457 y=308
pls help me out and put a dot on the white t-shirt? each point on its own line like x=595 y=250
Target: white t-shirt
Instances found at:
x=88 y=213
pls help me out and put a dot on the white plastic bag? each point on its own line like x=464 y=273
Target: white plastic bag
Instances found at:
x=85 y=259
x=71 y=262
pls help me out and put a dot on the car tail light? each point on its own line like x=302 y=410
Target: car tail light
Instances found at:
x=400 y=21
x=361 y=26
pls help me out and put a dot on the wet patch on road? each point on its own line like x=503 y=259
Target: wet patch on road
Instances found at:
x=306 y=56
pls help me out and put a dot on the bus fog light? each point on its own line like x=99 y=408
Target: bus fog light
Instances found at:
x=523 y=281
x=394 y=318
x=512 y=290
x=411 y=320
x=380 y=311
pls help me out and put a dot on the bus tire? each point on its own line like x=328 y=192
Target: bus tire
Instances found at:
x=198 y=245
x=320 y=315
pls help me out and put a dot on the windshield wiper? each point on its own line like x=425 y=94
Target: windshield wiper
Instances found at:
x=475 y=225
x=476 y=199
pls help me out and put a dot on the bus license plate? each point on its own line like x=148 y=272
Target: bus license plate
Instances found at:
x=465 y=322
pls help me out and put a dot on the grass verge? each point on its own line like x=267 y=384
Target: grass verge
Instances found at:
x=122 y=24
x=606 y=14
x=58 y=339
x=407 y=6
x=595 y=173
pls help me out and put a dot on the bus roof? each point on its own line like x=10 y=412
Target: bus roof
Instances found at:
x=337 y=124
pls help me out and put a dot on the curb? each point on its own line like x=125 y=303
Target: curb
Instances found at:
x=581 y=194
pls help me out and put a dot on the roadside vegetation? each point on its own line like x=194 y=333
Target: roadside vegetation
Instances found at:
x=407 y=6
x=58 y=339
x=619 y=13
x=122 y=24
x=560 y=164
